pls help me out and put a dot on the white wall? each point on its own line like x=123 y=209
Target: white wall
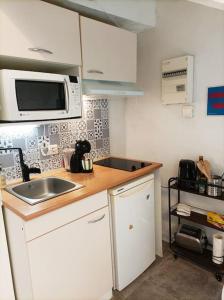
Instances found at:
x=159 y=133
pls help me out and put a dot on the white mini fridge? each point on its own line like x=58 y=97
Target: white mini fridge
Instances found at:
x=133 y=229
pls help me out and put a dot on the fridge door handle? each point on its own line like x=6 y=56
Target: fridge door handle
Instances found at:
x=134 y=190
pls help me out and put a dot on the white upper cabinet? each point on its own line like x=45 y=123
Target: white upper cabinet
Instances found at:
x=39 y=31
x=108 y=52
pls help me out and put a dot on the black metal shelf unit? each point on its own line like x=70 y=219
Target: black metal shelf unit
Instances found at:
x=204 y=260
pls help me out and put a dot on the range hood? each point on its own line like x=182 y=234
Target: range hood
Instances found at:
x=112 y=88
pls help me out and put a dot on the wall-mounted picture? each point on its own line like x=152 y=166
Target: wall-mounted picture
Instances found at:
x=215 y=101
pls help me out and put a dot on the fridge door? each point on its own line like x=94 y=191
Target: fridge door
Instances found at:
x=134 y=232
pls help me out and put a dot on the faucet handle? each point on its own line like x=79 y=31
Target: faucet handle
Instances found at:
x=26 y=171
x=34 y=170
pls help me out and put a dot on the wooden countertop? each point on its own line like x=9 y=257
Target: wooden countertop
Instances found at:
x=102 y=178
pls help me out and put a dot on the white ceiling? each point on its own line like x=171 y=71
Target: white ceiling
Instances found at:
x=219 y=4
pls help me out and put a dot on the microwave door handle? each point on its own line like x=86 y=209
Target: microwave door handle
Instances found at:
x=67 y=98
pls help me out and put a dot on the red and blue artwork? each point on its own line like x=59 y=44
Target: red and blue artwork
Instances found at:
x=215 y=101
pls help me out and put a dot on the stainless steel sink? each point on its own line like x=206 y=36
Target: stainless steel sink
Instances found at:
x=40 y=190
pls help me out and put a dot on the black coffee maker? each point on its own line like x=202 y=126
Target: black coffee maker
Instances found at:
x=81 y=147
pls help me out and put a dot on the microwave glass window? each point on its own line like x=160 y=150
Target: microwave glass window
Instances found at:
x=40 y=95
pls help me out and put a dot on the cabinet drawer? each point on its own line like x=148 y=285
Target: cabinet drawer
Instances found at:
x=39 y=31
x=64 y=215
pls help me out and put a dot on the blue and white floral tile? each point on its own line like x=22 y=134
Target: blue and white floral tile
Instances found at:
x=94 y=126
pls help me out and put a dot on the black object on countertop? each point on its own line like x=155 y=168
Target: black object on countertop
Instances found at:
x=81 y=147
x=122 y=164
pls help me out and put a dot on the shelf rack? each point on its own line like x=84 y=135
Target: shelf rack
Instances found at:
x=204 y=260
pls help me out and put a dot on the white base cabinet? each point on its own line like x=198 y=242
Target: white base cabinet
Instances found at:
x=6 y=284
x=73 y=261
x=70 y=262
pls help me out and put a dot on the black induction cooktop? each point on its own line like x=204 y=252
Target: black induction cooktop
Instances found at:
x=122 y=164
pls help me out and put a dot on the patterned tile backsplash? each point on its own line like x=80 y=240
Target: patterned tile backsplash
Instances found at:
x=32 y=139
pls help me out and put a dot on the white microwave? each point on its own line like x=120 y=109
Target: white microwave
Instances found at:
x=36 y=96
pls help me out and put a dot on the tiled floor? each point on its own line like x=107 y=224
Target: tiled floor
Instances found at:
x=170 y=279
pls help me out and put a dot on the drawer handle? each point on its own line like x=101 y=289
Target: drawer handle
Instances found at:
x=95 y=72
x=40 y=50
x=97 y=220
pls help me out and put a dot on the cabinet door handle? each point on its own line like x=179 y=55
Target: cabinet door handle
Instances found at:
x=96 y=220
x=95 y=72
x=35 y=49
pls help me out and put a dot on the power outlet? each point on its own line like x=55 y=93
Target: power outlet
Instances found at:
x=53 y=149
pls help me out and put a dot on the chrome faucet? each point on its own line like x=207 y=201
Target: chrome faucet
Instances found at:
x=26 y=171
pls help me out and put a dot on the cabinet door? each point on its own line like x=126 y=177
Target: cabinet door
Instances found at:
x=38 y=30
x=6 y=285
x=73 y=261
x=108 y=52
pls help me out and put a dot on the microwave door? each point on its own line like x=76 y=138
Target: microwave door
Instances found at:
x=35 y=95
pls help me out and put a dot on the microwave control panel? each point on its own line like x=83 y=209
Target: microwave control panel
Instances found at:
x=76 y=92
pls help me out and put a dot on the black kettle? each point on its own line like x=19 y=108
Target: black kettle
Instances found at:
x=187 y=174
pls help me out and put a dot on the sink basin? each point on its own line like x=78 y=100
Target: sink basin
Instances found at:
x=40 y=190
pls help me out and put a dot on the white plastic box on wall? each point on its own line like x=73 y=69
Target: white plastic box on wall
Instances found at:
x=177 y=80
